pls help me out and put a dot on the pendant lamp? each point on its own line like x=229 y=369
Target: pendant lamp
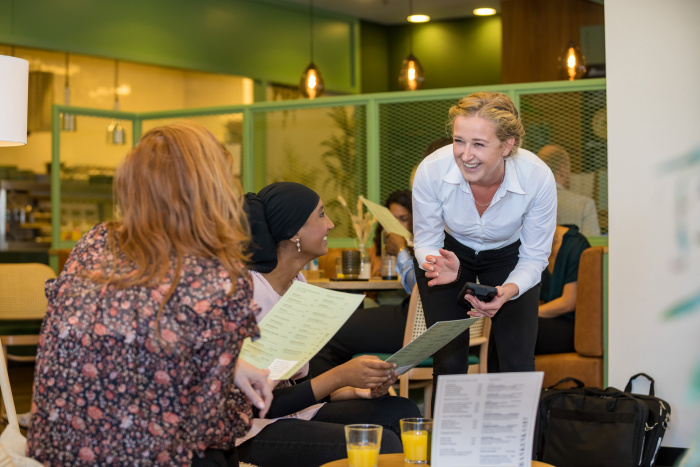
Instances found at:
x=572 y=63
x=115 y=131
x=14 y=92
x=311 y=84
x=67 y=120
x=411 y=74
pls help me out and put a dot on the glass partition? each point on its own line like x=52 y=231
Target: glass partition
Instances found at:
x=226 y=127
x=82 y=170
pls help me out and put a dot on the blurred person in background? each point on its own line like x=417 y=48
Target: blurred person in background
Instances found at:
x=572 y=208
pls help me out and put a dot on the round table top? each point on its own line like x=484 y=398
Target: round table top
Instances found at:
x=396 y=460
x=385 y=460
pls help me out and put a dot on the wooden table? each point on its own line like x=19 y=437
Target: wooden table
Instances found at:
x=375 y=283
x=396 y=460
x=385 y=460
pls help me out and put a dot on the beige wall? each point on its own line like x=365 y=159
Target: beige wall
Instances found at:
x=653 y=64
x=142 y=88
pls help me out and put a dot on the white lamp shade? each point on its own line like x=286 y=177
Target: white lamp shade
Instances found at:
x=14 y=77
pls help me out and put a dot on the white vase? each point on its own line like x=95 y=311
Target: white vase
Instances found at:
x=365 y=264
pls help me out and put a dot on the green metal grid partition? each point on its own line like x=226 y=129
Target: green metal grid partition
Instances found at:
x=82 y=165
x=352 y=145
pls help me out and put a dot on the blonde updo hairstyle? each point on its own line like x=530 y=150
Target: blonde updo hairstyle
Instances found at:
x=496 y=108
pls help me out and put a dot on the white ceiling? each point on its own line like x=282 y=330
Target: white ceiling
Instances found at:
x=395 y=11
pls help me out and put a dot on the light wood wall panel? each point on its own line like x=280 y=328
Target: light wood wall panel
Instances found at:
x=535 y=33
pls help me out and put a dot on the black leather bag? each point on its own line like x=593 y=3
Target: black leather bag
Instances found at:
x=585 y=427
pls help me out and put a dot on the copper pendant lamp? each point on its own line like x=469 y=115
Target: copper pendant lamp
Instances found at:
x=311 y=84
x=572 y=63
x=411 y=75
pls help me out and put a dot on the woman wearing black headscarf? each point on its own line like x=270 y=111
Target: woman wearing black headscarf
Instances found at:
x=289 y=228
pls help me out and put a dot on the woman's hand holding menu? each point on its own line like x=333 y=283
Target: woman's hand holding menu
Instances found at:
x=254 y=384
x=367 y=372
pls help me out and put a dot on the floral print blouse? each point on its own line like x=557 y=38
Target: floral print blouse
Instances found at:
x=107 y=392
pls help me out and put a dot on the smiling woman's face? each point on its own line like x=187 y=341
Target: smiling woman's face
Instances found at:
x=478 y=152
x=313 y=236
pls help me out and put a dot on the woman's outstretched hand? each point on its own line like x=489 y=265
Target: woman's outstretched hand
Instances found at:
x=488 y=309
x=441 y=269
x=349 y=392
x=349 y=380
x=366 y=371
x=254 y=384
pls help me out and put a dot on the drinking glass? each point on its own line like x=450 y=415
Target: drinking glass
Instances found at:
x=388 y=261
x=416 y=436
x=362 y=442
x=351 y=264
x=388 y=266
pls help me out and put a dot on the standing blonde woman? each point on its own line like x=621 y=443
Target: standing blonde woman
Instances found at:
x=484 y=209
x=139 y=346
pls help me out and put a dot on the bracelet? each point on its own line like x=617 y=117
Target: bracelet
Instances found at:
x=459 y=274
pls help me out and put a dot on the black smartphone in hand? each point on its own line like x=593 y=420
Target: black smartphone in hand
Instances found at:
x=485 y=293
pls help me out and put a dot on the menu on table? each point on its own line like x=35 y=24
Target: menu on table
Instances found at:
x=485 y=419
x=297 y=327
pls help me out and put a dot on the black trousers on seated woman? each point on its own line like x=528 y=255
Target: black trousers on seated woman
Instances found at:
x=301 y=443
x=368 y=330
x=555 y=335
x=217 y=458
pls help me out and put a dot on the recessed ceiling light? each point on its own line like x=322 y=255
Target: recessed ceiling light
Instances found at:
x=484 y=12
x=419 y=18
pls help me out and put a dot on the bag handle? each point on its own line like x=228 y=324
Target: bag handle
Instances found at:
x=628 y=388
x=579 y=383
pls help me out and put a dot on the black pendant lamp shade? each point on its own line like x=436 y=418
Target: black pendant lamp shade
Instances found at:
x=572 y=63
x=311 y=84
x=411 y=75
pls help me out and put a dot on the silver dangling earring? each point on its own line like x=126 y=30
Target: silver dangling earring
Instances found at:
x=298 y=245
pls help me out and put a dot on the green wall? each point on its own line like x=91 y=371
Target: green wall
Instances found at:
x=374 y=50
x=267 y=40
x=261 y=39
x=465 y=52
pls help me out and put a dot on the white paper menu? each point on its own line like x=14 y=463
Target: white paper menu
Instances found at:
x=425 y=345
x=485 y=419
x=390 y=223
x=297 y=327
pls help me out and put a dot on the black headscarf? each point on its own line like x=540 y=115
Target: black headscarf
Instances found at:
x=275 y=214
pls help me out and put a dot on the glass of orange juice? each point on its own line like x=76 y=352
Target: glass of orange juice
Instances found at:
x=362 y=442
x=416 y=436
